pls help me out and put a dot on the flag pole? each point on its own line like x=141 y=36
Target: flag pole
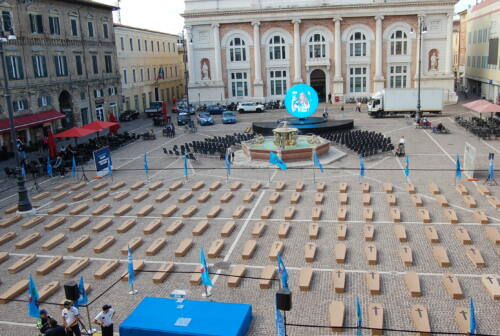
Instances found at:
x=91 y=330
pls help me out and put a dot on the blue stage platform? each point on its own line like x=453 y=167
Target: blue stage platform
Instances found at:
x=158 y=316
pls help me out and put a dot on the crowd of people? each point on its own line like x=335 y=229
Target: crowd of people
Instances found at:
x=71 y=321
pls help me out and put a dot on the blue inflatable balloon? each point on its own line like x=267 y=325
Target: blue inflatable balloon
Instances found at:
x=301 y=101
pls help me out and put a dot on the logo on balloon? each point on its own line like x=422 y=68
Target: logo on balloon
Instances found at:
x=301 y=101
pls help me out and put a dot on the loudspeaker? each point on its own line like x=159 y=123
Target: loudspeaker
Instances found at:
x=71 y=291
x=284 y=299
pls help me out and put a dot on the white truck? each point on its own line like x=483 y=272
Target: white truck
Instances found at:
x=404 y=101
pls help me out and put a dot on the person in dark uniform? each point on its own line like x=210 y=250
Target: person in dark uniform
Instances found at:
x=105 y=320
x=55 y=329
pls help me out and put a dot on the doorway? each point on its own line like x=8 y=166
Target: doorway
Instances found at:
x=99 y=112
x=66 y=106
x=318 y=83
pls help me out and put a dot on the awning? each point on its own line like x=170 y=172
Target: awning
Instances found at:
x=99 y=126
x=31 y=120
x=482 y=106
x=75 y=133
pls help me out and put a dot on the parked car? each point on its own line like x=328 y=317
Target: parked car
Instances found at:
x=228 y=117
x=186 y=109
x=183 y=119
x=205 y=119
x=250 y=107
x=129 y=115
x=215 y=109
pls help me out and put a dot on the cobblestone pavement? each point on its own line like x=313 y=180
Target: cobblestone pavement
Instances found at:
x=426 y=150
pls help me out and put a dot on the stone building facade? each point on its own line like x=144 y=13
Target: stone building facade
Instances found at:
x=482 y=71
x=63 y=61
x=151 y=66
x=256 y=49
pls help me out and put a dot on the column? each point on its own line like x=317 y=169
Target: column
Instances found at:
x=297 y=52
x=258 y=85
x=338 y=81
x=379 y=78
x=338 y=52
x=217 y=73
x=449 y=44
x=190 y=63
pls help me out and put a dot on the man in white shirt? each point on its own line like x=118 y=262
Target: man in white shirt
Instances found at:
x=70 y=318
x=105 y=320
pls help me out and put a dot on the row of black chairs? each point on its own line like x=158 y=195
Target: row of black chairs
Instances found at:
x=486 y=128
x=365 y=143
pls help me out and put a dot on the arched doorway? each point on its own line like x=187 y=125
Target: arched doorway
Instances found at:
x=66 y=106
x=318 y=83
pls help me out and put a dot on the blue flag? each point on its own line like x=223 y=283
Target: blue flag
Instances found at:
x=146 y=166
x=472 y=317
x=73 y=167
x=275 y=160
x=407 y=167
x=23 y=171
x=110 y=167
x=359 y=314
x=280 y=322
x=185 y=165
x=228 y=163
x=316 y=161
x=83 y=299
x=33 y=306
x=361 y=166
x=282 y=272
x=49 y=167
x=205 y=276
x=130 y=268
x=491 y=171
x=458 y=172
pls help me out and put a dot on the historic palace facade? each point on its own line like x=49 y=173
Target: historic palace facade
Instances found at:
x=255 y=49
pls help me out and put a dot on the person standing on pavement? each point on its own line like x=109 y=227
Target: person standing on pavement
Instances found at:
x=329 y=98
x=70 y=319
x=358 y=106
x=105 y=320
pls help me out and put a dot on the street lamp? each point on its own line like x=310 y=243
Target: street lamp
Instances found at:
x=422 y=30
x=24 y=204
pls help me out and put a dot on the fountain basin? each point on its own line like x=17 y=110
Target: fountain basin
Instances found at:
x=301 y=151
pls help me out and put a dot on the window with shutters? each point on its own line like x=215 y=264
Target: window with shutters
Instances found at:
x=61 y=65
x=90 y=26
x=122 y=46
x=79 y=67
x=152 y=46
x=149 y=74
x=112 y=91
x=54 y=26
x=95 y=66
x=158 y=45
x=131 y=45
x=20 y=105
x=105 y=31
x=125 y=78
x=164 y=49
x=44 y=101
x=74 y=27
x=15 y=67
x=36 y=23
x=139 y=44
x=133 y=75
x=145 y=45
x=39 y=66
x=142 y=75
x=6 y=21
x=98 y=93
x=108 y=63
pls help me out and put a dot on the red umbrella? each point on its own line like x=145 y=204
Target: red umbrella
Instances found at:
x=99 y=126
x=75 y=133
x=112 y=118
x=52 y=144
